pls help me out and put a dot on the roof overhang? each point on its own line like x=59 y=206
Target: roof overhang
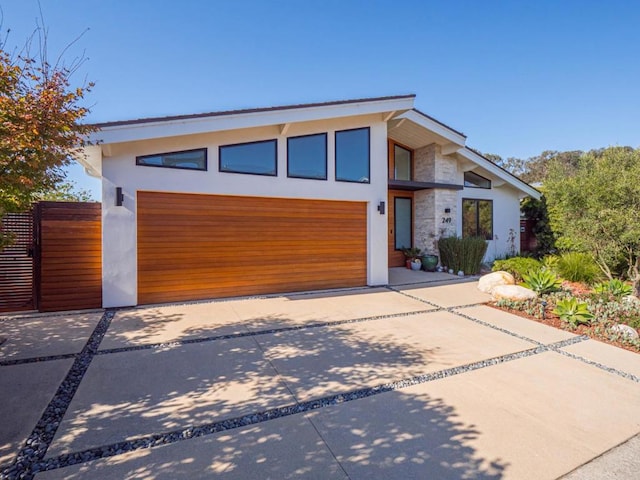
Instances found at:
x=152 y=128
x=477 y=159
x=416 y=129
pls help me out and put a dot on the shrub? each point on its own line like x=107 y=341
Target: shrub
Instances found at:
x=572 y=311
x=615 y=288
x=542 y=281
x=550 y=262
x=517 y=266
x=578 y=267
x=462 y=253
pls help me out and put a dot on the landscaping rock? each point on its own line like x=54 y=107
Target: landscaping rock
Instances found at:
x=632 y=300
x=625 y=331
x=512 y=292
x=487 y=282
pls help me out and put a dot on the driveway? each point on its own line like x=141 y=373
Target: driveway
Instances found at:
x=416 y=380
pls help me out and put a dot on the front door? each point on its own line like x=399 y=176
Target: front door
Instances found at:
x=400 y=225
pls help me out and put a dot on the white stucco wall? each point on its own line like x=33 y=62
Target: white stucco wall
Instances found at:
x=506 y=216
x=119 y=170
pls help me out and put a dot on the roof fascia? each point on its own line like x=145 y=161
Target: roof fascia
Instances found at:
x=206 y=124
x=434 y=126
x=499 y=172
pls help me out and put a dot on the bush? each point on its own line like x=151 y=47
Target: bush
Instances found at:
x=462 y=253
x=517 y=266
x=615 y=288
x=550 y=262
x=578 y=267
x=542 y=281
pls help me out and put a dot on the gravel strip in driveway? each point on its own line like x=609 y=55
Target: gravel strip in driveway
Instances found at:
x=449 y=355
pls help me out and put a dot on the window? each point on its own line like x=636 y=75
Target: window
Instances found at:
x=403 y=222
x=476 y=181
x=402 y=163
x=307 y=156
x=352 y=155
x=258 y=158
x=477 y=218
x=186 y=159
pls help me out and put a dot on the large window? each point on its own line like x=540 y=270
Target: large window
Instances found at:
x=258 y=158
x=402 y=163
x=307 y=156
x=476 y=181
x=477 y=218
x=352 y=155
x=186 y=159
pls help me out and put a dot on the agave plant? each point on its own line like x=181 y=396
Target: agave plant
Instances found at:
x=616 y=288
x=542 y=281
x=573 y=312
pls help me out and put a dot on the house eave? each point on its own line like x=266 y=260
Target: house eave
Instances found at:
x=510 y=179
x=152 y=128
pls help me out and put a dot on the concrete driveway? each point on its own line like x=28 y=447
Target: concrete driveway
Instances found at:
x=418 y=380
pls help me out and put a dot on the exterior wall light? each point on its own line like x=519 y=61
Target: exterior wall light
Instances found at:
x=119 y=196
x=381 y=208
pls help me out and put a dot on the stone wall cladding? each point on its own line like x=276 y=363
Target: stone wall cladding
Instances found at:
x=424 y=223
x=424 y=160
x=429 y=205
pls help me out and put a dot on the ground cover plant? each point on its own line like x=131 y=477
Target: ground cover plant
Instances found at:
x=596 y=310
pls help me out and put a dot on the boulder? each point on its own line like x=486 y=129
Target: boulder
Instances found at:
x=489 y=281
x=512 y=292
x=632 y=300
x=625 y=331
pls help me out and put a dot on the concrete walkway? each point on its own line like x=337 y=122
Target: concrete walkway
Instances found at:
x=416 y=380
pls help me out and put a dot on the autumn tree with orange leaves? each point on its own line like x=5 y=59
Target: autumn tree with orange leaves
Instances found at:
x=40 y=114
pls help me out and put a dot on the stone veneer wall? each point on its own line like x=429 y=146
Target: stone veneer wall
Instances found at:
x=429 y=205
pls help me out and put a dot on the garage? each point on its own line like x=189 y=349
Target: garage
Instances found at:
x=193 y=247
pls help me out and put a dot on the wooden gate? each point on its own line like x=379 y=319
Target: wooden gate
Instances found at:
x=16 y=264
x=55 y=262
x=68 y=255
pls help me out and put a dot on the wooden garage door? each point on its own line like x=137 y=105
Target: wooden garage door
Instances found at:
x=205 y=246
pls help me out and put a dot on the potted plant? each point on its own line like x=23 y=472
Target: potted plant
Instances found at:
x=430 y=260
x=412 y=256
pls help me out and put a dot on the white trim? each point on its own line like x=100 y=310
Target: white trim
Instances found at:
x=492 y=168
x=281 y=116
x=428 y=123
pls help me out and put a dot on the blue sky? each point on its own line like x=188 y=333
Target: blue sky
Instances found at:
x=517 y=77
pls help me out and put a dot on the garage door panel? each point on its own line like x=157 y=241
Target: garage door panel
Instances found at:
x=205 y=246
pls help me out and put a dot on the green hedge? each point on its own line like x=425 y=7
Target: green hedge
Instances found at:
x=464 y=254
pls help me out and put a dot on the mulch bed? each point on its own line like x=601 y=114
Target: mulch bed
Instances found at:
x=554 y=321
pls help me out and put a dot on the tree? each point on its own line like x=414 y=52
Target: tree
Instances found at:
x=40 y=127
x=594 y=206
x=66 y=191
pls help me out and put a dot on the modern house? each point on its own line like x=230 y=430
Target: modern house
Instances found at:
x=288 y=198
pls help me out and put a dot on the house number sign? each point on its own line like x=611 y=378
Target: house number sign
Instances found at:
x=446 y=219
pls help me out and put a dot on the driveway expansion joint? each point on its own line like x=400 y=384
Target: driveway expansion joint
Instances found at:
x=195 y=431
x=256 y=333
x=27 y=461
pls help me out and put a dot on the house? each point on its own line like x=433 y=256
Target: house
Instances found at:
x=289 y=198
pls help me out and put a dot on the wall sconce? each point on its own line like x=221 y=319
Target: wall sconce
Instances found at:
x=447 y=210
x=381 y=208
x=119 y=196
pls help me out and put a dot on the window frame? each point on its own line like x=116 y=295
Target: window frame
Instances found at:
x=275 y=158
x=197 y=169
x=411 y=161
x=464 y=182
x=395 y=217
x=326 y=155
x=477 y=219
x=335 y=159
